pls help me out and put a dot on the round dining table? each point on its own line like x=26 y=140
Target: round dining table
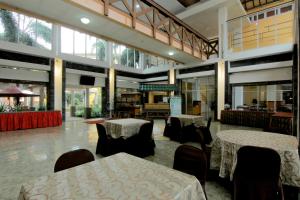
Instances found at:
x=227 y=143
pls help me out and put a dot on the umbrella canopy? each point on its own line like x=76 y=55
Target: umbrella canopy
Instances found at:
x=16 y=92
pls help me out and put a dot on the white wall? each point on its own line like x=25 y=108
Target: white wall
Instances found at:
x=280 y=74
x=73 y=80
x=22 y=74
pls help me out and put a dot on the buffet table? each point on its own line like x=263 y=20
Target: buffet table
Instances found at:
x=227 y=143
x=120 y=176
x=29 y=120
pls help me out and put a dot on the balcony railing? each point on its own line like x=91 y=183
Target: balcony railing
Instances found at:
x=266 y=28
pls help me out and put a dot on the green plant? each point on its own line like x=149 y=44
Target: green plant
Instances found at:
x=17 y=108
x=79 y=111
x=96 y=111
x=131 y=56
x=27 y=35
x=3 y=107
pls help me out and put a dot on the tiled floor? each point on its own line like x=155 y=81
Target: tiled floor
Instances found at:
x=28 y=154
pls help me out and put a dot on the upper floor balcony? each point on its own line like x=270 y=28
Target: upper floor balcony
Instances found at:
x=266 y=28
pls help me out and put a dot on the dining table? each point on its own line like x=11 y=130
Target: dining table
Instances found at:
x=227 y=143
x=186 y=120
x=125 y=128
x=120 y=176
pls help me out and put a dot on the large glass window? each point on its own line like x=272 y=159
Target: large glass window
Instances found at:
x=23 y=29
x=198 y=96
x=67 y=39
x=263 y=97
x=81 y=44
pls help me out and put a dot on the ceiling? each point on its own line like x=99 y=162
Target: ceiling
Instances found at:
x=202 y=16
x=205 y=13
x=68 y=14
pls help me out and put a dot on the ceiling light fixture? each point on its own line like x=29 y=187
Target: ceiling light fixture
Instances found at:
x=137 y=6
x=85 y=20
x=171 y=53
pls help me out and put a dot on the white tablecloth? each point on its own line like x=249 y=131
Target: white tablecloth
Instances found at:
x=186 y=120
x=120 y=176
x=123 y=127
x=227 y=143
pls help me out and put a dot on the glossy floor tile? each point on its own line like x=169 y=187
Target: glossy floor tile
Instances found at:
x=27 y=154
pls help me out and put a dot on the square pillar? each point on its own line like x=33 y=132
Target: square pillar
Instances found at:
x=58 y=84
x=172 y=78
x=220 y=83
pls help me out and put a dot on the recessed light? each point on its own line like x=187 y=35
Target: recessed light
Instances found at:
x=171 y=53
x=85 y=20
x=137 y=6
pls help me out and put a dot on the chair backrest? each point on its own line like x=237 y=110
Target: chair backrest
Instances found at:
x=72 y=159
x=101 y=133
x=208 y=123
x=191 y=160
x=257 y=173
x=146 y=131
x=175 y=123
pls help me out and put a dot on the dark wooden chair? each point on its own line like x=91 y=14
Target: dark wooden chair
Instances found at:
x=73 y=159
x=167 y=128
x=191 y=160
x=180 y=133
x=257 y=174
x=107 y=145
x=206 y=134
x=141 y=144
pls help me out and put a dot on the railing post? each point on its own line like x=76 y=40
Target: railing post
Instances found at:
x=276 y=30
x=242 y=39
x=257 y=32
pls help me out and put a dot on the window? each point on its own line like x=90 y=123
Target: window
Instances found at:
x=23 y=29
x=286 y=9
x=91 y=44
x=255 y=18
x=261 y=15
x=81 y=44
x=271 y=13
x=67 y=40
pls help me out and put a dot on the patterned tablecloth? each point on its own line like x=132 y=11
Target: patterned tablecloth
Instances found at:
x=123 y=127
x=120 y=176
x=189 y=119
x=227 y=143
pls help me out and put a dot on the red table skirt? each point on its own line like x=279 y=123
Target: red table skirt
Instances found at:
x=28 y=120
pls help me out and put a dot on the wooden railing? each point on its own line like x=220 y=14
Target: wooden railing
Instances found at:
x=162 y=21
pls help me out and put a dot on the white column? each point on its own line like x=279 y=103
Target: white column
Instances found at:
x=58 y=84
x=112 y=83
x=220 y=88
x=172 y=78
x=223 y=32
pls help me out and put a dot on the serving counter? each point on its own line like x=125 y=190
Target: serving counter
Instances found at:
x=28 y=120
